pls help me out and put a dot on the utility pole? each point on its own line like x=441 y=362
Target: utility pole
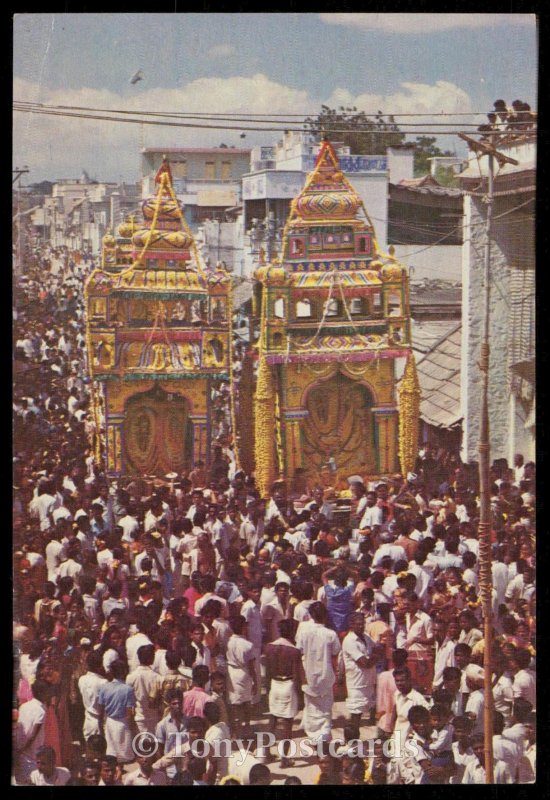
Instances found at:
x=485 y=556
x=18 y=172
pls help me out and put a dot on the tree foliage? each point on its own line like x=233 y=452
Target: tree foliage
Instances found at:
x=372 y=135
x=363 y=135
x=426 y=148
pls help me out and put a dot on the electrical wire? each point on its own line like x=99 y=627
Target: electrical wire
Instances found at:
x=304 y=115
x=165 y=123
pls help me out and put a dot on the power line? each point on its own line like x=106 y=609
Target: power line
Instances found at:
x=166 y=123
x=229 y=116
x=304 y=115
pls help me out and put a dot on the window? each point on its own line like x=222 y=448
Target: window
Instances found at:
x=303 y=308
x=364 y=244
x=99 y=307
x=226 y=170
x=377 y=301
x=210 y=170
x=279 y=308
x=394 y=304
x=179 y=169
x=356 y=305
x=297 y=247
x=331 y=308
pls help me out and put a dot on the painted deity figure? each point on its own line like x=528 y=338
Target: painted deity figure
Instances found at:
x=179 y=312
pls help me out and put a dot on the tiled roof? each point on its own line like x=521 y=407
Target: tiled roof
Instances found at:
x=439 y=376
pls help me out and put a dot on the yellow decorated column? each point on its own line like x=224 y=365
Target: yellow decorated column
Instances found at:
x=265 y=425
x=409 y=416
x=385 y=436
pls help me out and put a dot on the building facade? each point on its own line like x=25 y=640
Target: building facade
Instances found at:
x=207 y=180
x=512 y=304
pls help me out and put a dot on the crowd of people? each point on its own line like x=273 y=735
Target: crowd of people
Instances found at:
x=151 y=617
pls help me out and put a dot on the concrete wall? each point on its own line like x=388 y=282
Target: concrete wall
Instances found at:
x=443 y=262
x=506 y=419
x=373 y=191
x=400 y=163
x=223 y=242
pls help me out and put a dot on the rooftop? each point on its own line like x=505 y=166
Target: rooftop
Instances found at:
x=439 y=377
x=183 y=150
x=425 y=185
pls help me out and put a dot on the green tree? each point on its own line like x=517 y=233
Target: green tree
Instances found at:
x=426 y=148
x=362 y=134
x=446 y=176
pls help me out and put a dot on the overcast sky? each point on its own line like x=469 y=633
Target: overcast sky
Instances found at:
x=286 y=63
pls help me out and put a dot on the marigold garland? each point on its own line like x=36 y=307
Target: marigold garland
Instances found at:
x=409 y=415
x=264 y=429
x=232 y=399
x=278 y=428
x=264 y=411
x=245 y=422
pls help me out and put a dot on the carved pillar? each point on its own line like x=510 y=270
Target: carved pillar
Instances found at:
x=114 y=444
x=293 y=444
x=200 y=448
x=385 y=437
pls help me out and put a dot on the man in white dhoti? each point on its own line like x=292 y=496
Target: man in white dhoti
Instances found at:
x=117 y=701
x=89 y=685
x=241 y=674
x=251 y=612
x=360 y=667
x=320 y=647
x=284 y=675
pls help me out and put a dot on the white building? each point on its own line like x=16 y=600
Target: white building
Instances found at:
x=512 y=303
x=79 y=212
x=277 y=174
x=206 y=180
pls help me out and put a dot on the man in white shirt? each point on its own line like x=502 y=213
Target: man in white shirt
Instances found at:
x=29 y=732
x=275 y=610
x=517 y=731
x=519 y=469
x=145 y=774
x=524 y=683
x=373 y=514
x=241 y=675
x=521 y=586
x=504 y=749
x=250 y=610
x=527 y=770
x=43 y=505
x=69 y=566
x=360 y=668
x=419 y=642
x=405 y=698
x=475 y=769
x=500 y=576
x=252 y=528
x=88 y=686
x=129 y=523
x=135 y=640
x=320 y=647
x=388 y=550
x=46 y=773
x=476 y=701
x=445 y=639
x=54 y=555
x=147 y=686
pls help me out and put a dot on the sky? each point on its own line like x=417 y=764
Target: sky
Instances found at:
x=249 y=62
